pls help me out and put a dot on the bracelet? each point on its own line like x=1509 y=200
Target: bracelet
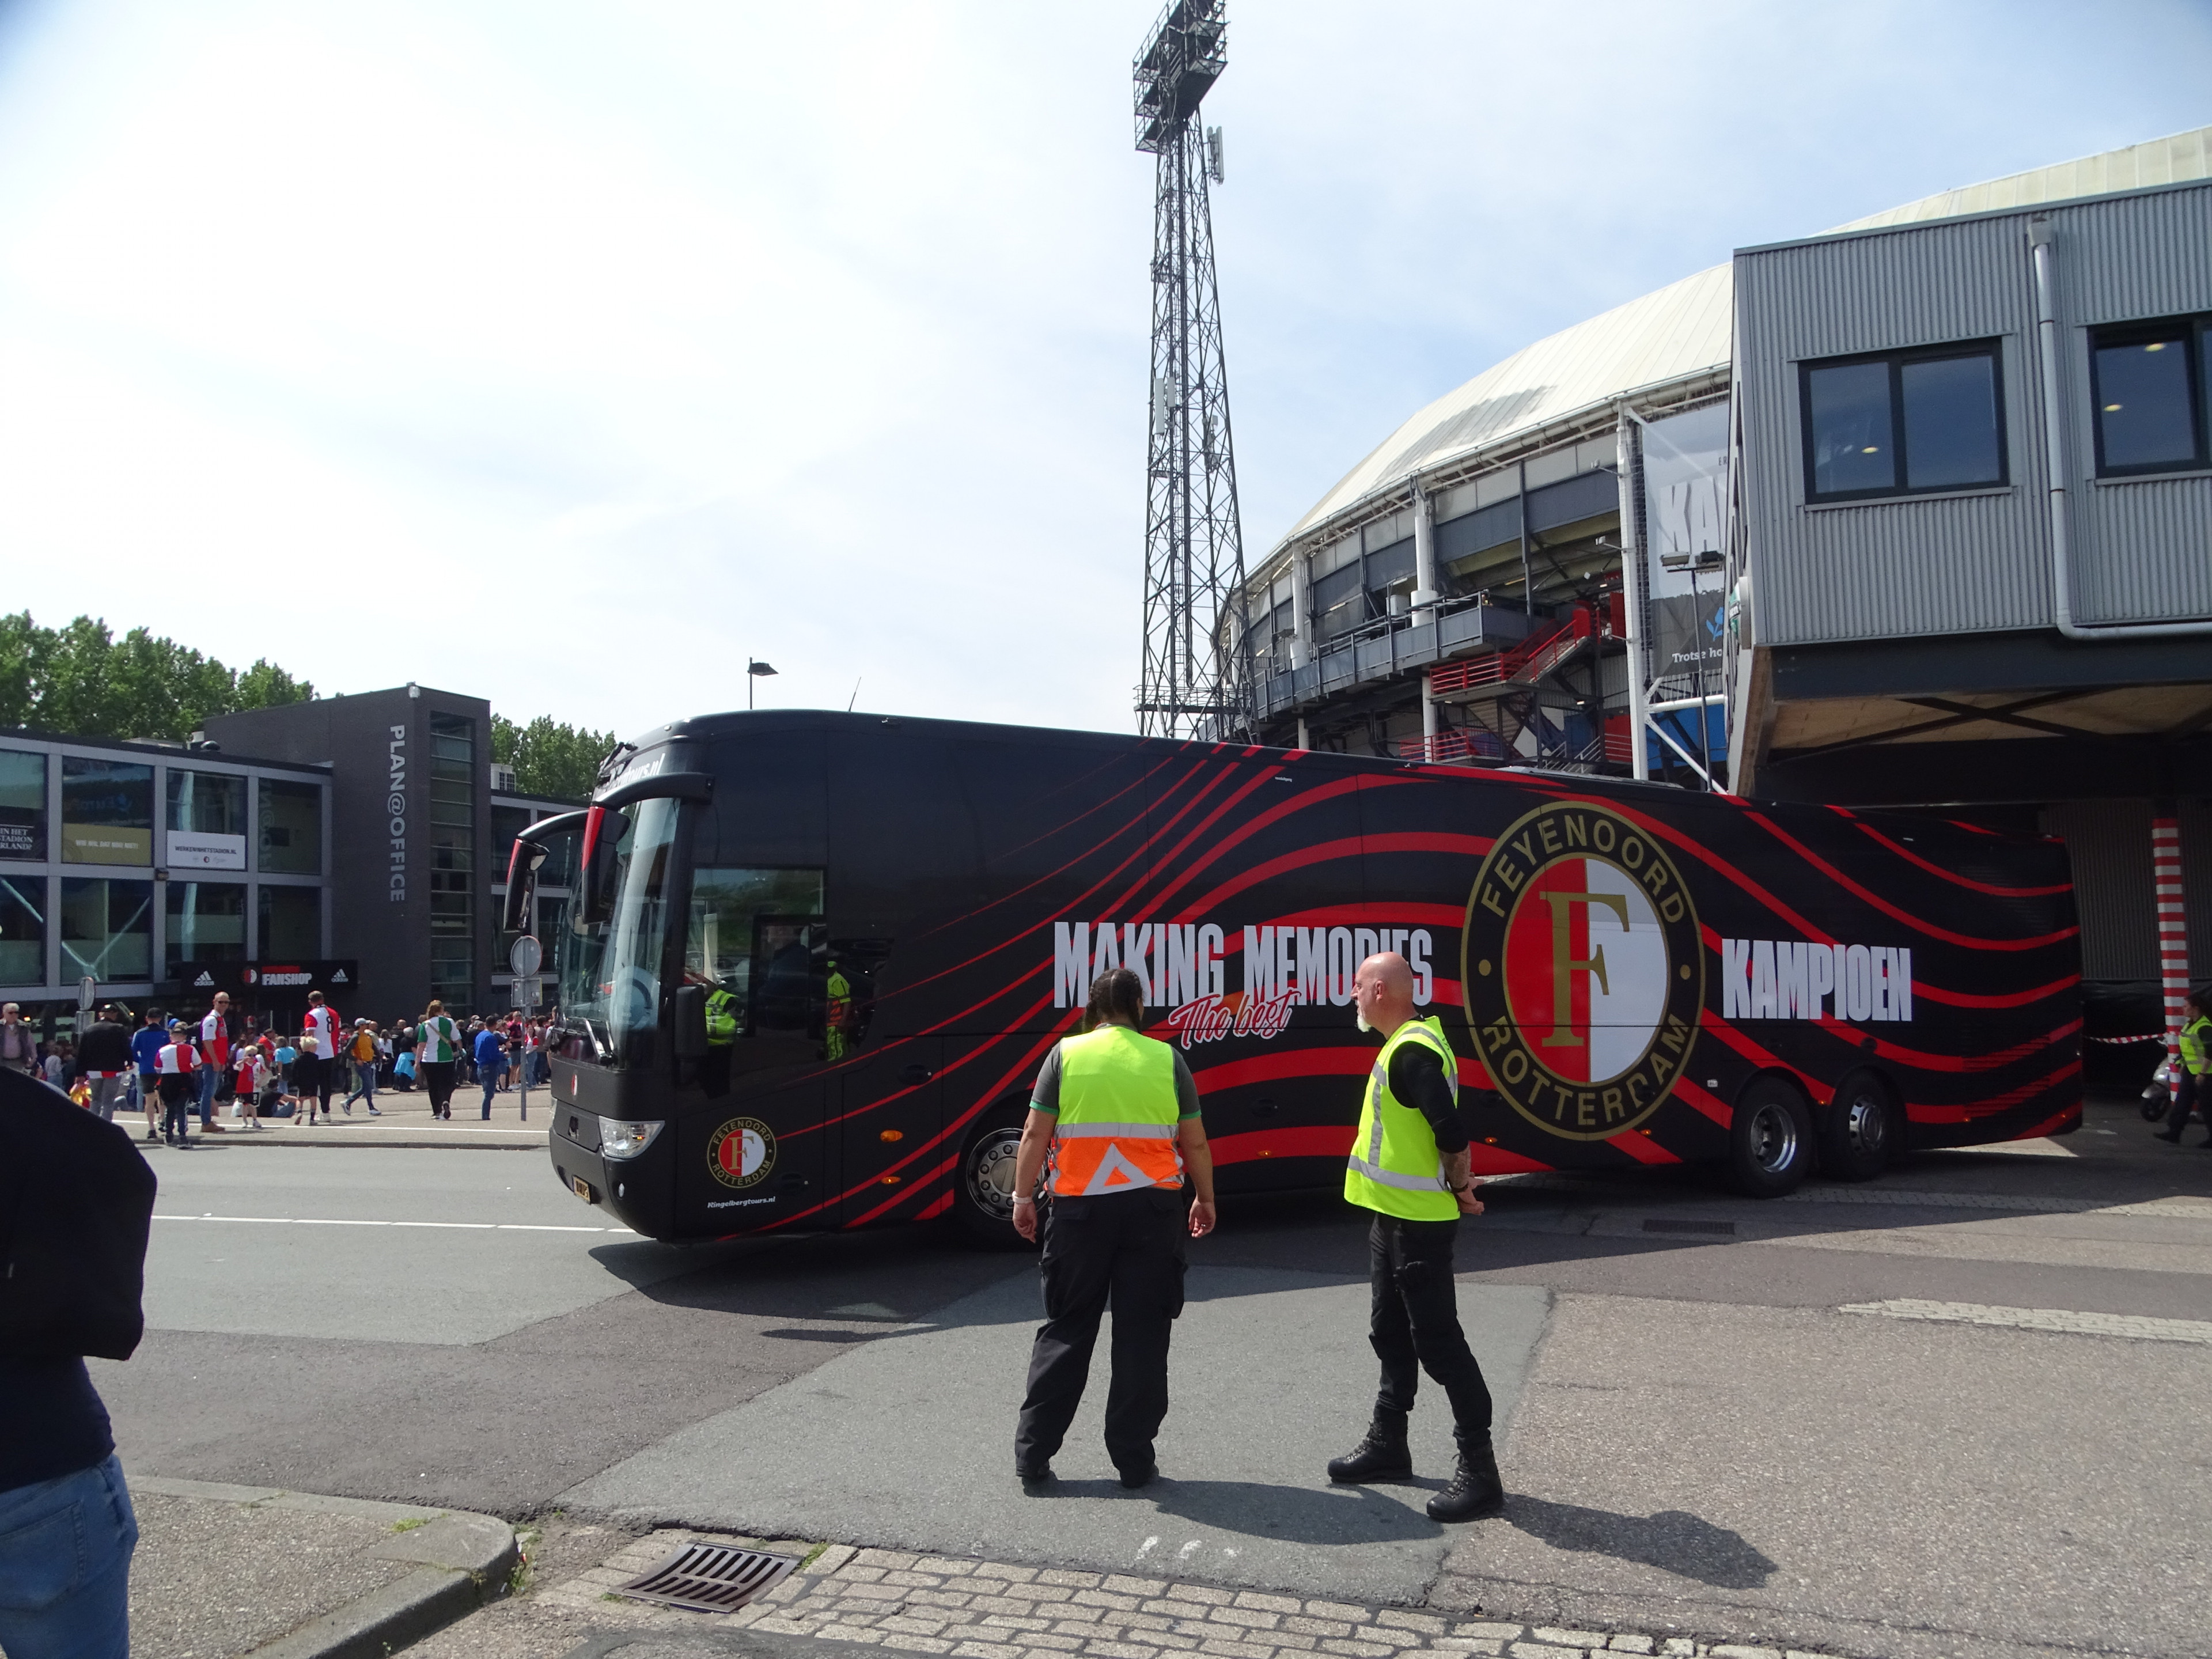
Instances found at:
x=1024 y=1199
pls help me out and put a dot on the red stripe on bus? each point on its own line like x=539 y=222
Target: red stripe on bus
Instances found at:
x=1894 y=912
x=1952 y=876
x=897 y=1199
x=1289 y=1063
x=1696 y=1098
x=1641 y=1147
x=2005 y=999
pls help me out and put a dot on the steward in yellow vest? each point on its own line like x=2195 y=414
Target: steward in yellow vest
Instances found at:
x=2192 y=1083
x=1118 y=1114
x=1409 y=1165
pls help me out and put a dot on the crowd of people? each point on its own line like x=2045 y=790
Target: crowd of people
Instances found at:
x=224 y=1065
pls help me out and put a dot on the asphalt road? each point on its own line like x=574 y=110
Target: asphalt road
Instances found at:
x=1695 y=1430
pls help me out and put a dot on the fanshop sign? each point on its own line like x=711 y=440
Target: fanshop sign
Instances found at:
x=1582 y=970
x=289 y=979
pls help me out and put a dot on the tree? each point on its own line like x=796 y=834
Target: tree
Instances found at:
x=81 y=679
x=547 y=757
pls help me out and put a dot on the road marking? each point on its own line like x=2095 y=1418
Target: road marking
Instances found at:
x=2041 y=1319
x=324 y=1221
x=1614 y=1193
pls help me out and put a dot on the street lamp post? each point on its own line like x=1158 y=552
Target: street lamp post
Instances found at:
x=754 y=670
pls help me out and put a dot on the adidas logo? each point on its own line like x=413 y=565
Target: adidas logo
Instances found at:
x=205 y=978
x=338 y=977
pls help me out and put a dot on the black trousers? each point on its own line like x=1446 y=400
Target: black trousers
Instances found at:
x=2187 y=1095
x=438 y=1079
x=1413 y=1321
x=1129 y=1250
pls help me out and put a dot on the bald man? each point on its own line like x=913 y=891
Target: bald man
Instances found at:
x=1409 y=1165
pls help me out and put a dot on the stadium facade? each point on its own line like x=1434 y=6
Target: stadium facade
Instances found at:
x=1914 y=513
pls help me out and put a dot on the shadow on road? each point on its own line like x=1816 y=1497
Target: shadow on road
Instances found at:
x=1673 y=1541
x=1298 y=1515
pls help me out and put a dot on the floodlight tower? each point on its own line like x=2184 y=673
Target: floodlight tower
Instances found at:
x=1197 y=675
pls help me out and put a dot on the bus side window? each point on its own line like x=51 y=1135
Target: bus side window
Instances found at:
x=757 y=941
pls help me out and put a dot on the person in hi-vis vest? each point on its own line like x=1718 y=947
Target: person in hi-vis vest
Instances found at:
x=1409 y=1165
x=1118 y=1112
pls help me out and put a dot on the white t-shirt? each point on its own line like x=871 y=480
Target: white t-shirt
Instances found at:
x=323 y=1026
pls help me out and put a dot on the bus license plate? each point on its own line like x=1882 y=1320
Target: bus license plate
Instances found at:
x=583 y=1188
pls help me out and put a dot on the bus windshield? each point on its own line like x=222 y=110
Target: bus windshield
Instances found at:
x=611 y=963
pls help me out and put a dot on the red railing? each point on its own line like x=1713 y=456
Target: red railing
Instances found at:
x=1531 y=659
x=1454 y=748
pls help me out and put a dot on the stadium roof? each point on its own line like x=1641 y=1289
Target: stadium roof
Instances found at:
x=1682 y=331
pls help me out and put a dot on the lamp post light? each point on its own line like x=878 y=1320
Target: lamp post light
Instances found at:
x=754 y=670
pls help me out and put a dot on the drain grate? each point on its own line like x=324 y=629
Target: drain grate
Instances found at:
x=709 y=1577
x=1666 y=1224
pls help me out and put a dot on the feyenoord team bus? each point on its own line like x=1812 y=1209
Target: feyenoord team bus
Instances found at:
x=813 y=960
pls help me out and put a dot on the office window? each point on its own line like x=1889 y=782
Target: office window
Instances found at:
x=454 y=896
x=2148 y=380
x=206 y=821
x=1903 y=423
x=22 y=929
x=107 y=812
x=291 y=922
x=207 y=923
x=291 y=828
x=107 y=927
x=23 y=811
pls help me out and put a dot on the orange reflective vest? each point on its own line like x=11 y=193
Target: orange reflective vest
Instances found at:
x=1118 y=1111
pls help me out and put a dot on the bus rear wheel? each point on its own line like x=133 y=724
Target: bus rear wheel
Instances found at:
x=1859 y=1133
x=1770 y=1138
x=983 y=1189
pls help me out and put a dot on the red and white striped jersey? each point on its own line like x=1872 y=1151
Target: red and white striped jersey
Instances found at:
x=323 y=1026
x=177 y=1059
x=215 y=1037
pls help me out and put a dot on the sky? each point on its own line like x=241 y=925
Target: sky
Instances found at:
x=571 y=355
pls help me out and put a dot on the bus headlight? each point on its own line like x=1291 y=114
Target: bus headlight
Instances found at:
x=620 y=1139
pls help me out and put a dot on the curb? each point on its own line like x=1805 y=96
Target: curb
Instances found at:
x=461 y=1561
x=517 y=1146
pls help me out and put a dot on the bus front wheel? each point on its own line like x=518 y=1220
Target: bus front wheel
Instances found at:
x=1770 y=1138
x=1859 y=1133
x=983 y=1192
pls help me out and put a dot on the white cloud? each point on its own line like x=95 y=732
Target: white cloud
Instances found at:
x=567 y=353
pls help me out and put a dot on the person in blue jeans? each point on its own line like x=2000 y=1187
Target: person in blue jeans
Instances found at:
x=487 y=1056
x=67 y=1529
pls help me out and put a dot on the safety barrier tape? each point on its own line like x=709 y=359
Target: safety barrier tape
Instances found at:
x=2154 y=1037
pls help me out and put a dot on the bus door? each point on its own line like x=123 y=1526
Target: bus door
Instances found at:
x=753 y=1150
x=892 y=1107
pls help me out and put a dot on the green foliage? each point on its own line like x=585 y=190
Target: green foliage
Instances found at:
x=550 y=758
x=81 y=679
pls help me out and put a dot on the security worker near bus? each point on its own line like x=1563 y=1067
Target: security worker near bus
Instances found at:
x=1410 y=1166
x=1118 y=1112
x=721 y=1035
x=2192 y=1084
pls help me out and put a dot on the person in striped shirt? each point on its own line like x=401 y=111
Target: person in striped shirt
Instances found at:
x=174 y=1071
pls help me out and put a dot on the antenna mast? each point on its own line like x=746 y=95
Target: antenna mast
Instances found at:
x=1198 y=667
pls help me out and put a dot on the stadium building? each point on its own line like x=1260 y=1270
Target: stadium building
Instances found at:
x=1914 y=513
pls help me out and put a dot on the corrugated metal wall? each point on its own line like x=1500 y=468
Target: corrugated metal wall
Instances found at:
x=2110 y=844
x=1970 y=563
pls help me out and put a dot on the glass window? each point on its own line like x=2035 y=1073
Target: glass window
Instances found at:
x=207 y=923
x=1950 y=421
x=22 y=930
x=206 y=821
x=2148 y=384
x=291 y=922
x=454 y=896
x=107 y=927
x=22 y=809
x=1903 y=422
x=107 y=812
x=291 y=828
x=610 y=955
x=760 y=935
x=1847 y=408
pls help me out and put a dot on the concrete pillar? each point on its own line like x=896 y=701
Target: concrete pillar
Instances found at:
x=1301 y=623
x=1424 y=549
x=1631 y=596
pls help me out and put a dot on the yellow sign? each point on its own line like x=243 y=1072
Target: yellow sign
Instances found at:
x=100 y=844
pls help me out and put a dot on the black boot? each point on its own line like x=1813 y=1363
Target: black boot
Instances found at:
x=1475 y=1489
x=1381 y=1457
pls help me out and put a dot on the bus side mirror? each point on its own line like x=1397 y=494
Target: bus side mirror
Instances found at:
x=521 y=884
x=692 y=1022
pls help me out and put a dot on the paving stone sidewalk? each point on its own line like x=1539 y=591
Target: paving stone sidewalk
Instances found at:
x=990 y=1610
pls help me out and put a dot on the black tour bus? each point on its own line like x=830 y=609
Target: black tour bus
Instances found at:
x=898 y=918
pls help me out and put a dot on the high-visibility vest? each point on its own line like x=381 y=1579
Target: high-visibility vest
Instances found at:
x=2196 y=1039
x=721 y=1018
x=1394 y=1165
x=1118 y=1111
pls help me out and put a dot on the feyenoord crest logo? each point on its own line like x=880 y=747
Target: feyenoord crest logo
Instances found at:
x=1582 y=970
x=741 y=1152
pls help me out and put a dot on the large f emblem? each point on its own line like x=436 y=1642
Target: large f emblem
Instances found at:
x=1565 y=964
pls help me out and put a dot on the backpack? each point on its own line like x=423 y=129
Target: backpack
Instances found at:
x=76 y=1204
